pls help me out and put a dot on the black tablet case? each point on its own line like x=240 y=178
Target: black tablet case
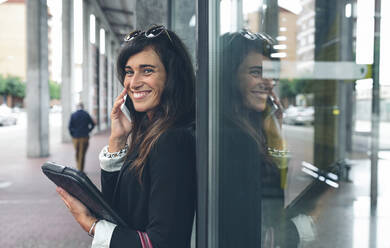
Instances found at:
x=80 y=186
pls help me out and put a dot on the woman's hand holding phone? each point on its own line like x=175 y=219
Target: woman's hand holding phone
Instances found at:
x=277 y=107
x=120 y=125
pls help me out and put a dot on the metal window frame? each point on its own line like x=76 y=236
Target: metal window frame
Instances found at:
x=207 y=121
x=202 y=115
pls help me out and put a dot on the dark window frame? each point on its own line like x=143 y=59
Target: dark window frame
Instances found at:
x=202 y=120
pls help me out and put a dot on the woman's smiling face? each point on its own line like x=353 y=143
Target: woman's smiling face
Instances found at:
x=145 y=80
x=253 y=87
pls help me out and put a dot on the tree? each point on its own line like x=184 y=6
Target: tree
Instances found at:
x=2 y=85
x=55 y=90
x=13 y=86
x=287 y=89
x=290 y=88
x=303 y=87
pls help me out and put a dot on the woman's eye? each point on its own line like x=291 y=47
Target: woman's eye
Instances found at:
x=148 y=71
x=255 y=73
x=129 y=73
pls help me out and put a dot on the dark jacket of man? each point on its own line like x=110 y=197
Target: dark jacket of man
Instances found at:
x=80 y=124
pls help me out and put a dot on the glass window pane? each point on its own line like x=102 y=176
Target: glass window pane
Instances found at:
x=297 y=138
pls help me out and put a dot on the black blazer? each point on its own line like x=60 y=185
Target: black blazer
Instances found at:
x=240 y=188
x=164 y=205
x=250 y=197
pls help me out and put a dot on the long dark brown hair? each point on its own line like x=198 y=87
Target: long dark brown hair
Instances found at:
x=177 y=102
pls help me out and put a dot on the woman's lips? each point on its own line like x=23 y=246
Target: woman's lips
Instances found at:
x=259 y=92
x=139 y=95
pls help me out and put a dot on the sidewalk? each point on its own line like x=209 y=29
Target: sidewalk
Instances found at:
x=31 y=212
x=33 y=215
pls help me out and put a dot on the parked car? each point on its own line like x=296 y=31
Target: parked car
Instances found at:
x=299 y=115
x=6 y=116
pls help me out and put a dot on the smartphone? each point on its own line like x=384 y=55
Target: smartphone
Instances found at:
x=125 y=107
x=272 y=104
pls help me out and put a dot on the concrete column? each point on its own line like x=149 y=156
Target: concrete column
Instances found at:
x=37 y=93
x=67 y=67
x=151 y=12
x=92 y=76
x=239 y=14
x=182 y=12
x=114 y=77
x=102 y=87
x=117 y=86
x=98 y=79
x=345 y=88
x=327 y=48
x=109 y=75
x=87 y=82
x=375 y=108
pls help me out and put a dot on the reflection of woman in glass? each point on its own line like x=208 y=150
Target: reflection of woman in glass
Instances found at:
x=252 y=146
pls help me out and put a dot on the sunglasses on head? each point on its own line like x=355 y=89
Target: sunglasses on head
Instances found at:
x=152 y=32
x=254 y=36
x=268 y=40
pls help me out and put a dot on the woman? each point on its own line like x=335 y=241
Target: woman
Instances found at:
x=151 y=181
x=253 y=150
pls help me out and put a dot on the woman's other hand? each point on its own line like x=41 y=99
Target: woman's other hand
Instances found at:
x=78 y=210
x=120 y=125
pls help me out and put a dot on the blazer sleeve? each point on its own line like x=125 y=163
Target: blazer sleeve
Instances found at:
x=172 y=195
x=110 y=169
x=108 y=181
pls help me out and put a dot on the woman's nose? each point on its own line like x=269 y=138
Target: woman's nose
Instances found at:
x=134 y=82
x=268 y=83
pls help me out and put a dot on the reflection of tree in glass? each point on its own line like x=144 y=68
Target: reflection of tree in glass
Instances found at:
x=290 y=88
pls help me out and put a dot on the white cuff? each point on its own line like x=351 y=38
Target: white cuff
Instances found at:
x=111 y=164
x=103 y=233
x=306 y=227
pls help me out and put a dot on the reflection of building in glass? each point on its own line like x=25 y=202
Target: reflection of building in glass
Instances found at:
x=287 y=35
x=253 y=21
x=305 y=31
x=305 y=43
x=286 y=39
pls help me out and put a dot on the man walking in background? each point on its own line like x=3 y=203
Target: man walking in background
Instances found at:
x=80 y=125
